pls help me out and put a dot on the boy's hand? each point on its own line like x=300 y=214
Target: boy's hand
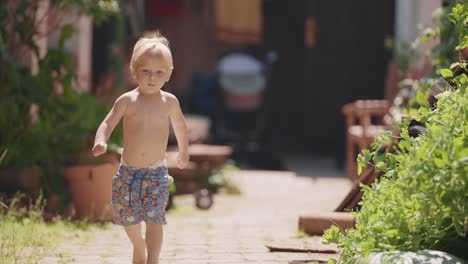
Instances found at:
x=182 y=160
x=99 y=148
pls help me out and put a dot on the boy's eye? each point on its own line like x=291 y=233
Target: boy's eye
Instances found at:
x=146 y=72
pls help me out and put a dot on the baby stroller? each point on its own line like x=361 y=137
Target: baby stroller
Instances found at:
x=241 y=123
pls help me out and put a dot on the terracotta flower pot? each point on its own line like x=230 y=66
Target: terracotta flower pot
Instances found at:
x=91 y=190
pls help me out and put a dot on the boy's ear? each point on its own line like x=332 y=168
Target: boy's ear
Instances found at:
x=169 y=74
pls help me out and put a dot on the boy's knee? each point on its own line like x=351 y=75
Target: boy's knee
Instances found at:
x=140 y=241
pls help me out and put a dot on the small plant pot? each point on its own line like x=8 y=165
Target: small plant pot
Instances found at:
x=91 y=190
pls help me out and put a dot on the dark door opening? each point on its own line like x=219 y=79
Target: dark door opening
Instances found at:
x=310 y=84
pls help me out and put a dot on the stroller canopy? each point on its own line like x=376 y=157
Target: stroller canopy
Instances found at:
x=241 y=73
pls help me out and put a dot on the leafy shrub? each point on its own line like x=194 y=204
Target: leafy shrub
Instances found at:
x=421 y=201
x=45 y=122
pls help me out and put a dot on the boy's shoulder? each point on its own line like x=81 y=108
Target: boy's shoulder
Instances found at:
x=128 y=96
x=168 y=96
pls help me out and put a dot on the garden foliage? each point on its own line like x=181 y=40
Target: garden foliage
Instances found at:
x=44 y=121
x=421 y=201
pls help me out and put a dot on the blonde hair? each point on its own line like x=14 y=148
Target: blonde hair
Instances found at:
x=152 y=41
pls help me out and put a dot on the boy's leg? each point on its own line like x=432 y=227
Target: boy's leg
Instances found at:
x=154 y=238
x=135 y=236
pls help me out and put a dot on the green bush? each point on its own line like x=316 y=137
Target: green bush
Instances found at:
x=44 y=121
x=421 y=201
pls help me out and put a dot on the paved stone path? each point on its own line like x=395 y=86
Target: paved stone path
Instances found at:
x=234 y=230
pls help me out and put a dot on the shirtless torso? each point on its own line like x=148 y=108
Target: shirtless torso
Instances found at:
x=146 y=128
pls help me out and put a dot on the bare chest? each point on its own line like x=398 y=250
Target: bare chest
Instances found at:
x=149 y=112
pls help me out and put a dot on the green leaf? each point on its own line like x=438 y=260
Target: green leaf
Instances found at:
x=332 y=234
x=421 y=98
x=461 y=79
x=439 y=162
x=359 y=168
x=67 y=32
x=454 y=65
x=463 y=43
x=392 y=233
x=446 y=73
x=378 y=227
x=381 y=166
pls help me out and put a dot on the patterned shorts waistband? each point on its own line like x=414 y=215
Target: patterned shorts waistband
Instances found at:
x=155 y=165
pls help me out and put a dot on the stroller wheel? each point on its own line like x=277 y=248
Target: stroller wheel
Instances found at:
x=203 y=199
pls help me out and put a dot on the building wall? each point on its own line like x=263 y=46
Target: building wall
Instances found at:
x=412 y=17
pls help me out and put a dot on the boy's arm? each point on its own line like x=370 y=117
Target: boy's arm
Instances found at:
x=108 y=124
x=180 y=131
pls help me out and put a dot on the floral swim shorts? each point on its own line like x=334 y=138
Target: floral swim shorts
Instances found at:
x=140 y=194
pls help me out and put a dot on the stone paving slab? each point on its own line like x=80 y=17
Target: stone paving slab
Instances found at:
x=234 y=230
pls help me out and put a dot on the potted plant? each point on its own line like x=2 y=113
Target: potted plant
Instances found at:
x=44 y=120
x=89 y=179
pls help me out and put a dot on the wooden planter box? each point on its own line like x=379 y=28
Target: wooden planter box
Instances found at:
x=317 y=223
x=189 y=179
x=209 y=155
x=204 y=159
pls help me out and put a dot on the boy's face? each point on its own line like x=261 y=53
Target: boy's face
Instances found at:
x=152 y=73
